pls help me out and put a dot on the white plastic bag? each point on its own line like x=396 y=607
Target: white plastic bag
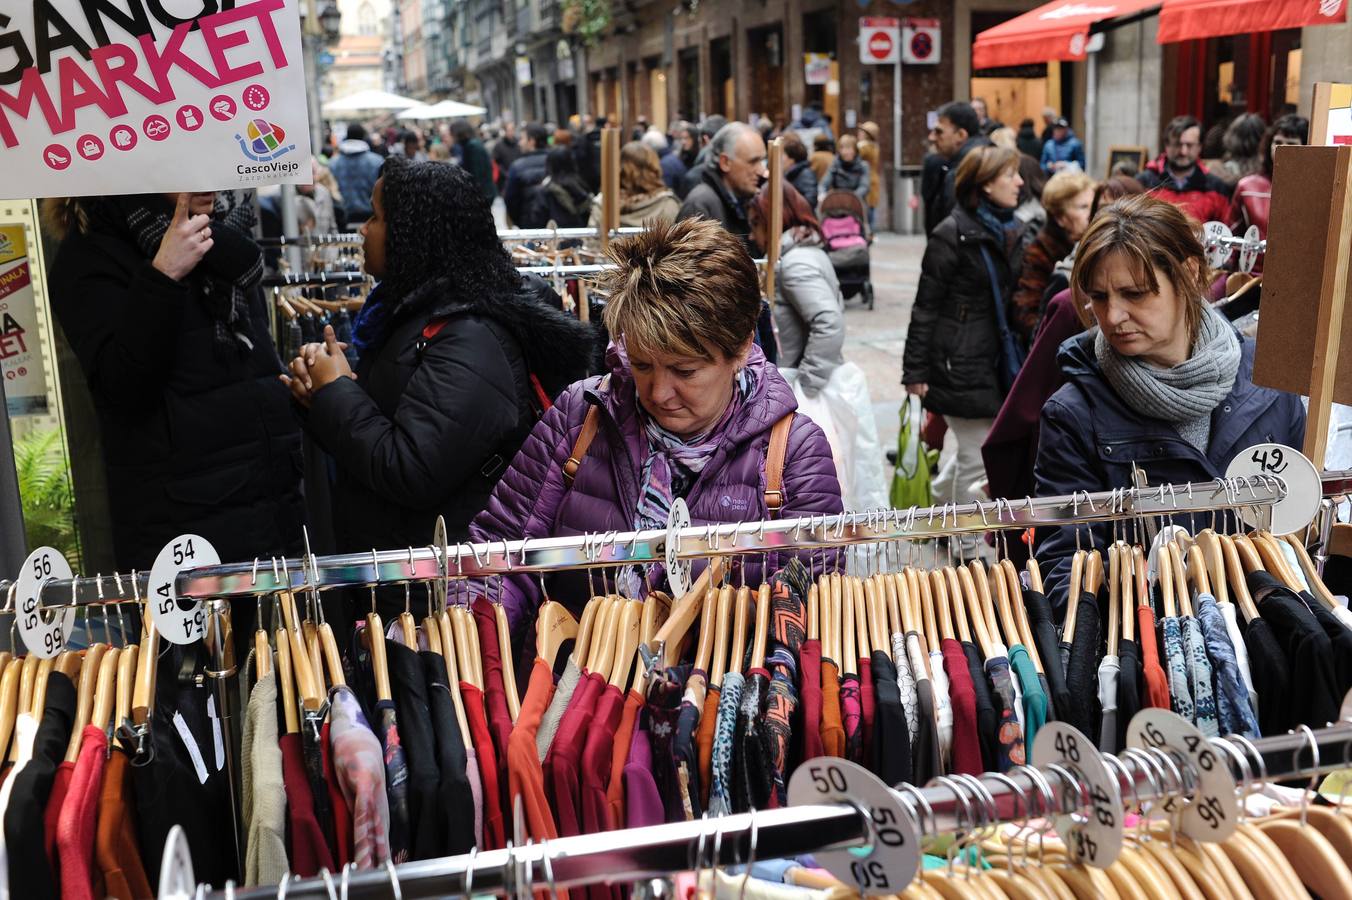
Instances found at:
x=844 y=411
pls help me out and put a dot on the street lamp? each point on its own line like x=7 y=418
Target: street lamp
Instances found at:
x=330 y=20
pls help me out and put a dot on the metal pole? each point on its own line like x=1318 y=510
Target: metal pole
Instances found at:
x=13 y=543
x=896 y=146
x=222 y=670
x=1091 y=113
x=291 y=225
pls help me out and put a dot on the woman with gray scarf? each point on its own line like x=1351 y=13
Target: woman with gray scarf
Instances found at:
x=1164 y=383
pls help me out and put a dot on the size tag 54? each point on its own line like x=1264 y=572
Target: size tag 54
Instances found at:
x=180 y=622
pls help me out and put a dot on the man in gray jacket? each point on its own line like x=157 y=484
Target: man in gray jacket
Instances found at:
x=734 y=173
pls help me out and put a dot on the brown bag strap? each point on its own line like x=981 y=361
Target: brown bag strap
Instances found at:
x=774 y=465
x=580 y=448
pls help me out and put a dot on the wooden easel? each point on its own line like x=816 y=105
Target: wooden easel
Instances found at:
x=775 y=164
x=610 y=184
x=1303 y=302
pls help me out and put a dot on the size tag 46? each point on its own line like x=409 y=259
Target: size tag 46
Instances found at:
x=180 y=622
x=1213 y=812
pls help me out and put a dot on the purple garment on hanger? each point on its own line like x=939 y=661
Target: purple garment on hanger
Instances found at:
x=642 y=800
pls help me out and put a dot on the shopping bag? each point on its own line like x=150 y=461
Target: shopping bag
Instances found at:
x=844 y=411
x=915 y=460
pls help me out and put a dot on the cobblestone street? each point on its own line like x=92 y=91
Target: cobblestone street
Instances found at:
x=874 y=339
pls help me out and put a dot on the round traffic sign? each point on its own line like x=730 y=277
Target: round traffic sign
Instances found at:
x=880 y=45
x=922 y=45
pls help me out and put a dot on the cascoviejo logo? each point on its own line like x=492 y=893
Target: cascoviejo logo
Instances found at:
x=263 y=141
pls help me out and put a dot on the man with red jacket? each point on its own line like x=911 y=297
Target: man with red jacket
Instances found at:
x=1178 y=177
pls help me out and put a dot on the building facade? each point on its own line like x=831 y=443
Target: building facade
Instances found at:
x=366 y=30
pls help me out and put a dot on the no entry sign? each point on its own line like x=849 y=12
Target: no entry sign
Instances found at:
x=879 y=40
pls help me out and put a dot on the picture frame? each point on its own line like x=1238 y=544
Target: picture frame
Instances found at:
x=1124 y=153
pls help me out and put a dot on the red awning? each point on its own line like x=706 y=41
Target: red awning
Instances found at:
x=1185 y=20
x=1058 y=30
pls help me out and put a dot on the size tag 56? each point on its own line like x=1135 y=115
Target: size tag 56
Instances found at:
x=43 y=636
x=889 y=862
x=180 y=622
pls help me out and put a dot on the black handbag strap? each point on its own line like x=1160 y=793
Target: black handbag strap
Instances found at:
x=1000 y=318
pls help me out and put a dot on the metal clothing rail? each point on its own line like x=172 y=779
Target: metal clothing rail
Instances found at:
x=1337 y=483
x=822 y=532
x=575 y=271
x=310 y=240
x=303 y=279
x=941 y=809
x=549 y=234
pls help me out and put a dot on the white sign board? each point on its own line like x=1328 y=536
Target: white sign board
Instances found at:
x=94 y=100
x=879 y=40
x=816 y=68
x=920 y=42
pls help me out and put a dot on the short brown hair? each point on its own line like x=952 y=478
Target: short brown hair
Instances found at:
x=1061 y=188
x=847 y=140
x=681 y=289
x=978 y=168
x=640 y=170
x=1152 y=234
x=793 y=146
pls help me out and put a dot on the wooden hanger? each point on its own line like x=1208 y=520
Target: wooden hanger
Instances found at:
x=849 y=663
x=1198 y=575
x=1235 y=569
x=1317 y=587
x=143 y=693
x=603 y=634
x=893 y=604
x=930 y=632
x=508 y=664
x=983 y=607
x=1004 y=610
x=407 y=627
x=286 y=683
x=1214 y=558
x=466 y=635
x=1336 y=827
x=375 y=642
x=1021 y=613
x=446 y=633
x=1166 y=581
x=626 y=643
x=84 y=698
x=704 y=649
x=328 y=645
x=1312 y=856
x=45 y=668
x=943 y=613
x=1254 y=868
x=686 y=611
x=1128 y=592
x=126 y=681
x=1181 y=592
x=907 y=586
x=9 y=700
x=863 y=643
x=762 y=633
x=1274 y=560
x=314 y=657
x=475 y=658
x=722 y=629
x=741 y=622
x=262 y=653
x=1114 y=597
x=814 y=628
x=970 y=580
x=965 y=589
x=831 y=633
x=1093 y=572
x=306 y=683
x=1073 y=597
x=876 y=596
x=606 y=641
x=582 y=646
x=105 y=690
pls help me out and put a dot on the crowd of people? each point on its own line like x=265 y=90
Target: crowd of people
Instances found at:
x=1060 y=324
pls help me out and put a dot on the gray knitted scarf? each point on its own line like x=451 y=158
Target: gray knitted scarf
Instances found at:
x=1186 y=394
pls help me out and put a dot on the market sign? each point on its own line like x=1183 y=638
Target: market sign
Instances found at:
x=98 y=100
x=20 y=354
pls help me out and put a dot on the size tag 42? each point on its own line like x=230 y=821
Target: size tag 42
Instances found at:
x=179 y=621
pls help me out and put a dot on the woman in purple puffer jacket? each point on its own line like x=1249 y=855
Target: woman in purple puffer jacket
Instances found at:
x=686 y=411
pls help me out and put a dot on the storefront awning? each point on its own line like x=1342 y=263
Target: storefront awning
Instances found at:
x=1186 y=20
x=1060 y=30
x=1056 y=31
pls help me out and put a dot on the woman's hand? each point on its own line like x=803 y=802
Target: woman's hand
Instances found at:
x=184 y=244
x=314 y=368
x=920 y=389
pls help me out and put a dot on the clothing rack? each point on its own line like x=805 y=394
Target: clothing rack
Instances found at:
x=310 y=240
x=638 y=853
x=821 y=532
x=551 y=234
x=577 y=271
x=308 y=279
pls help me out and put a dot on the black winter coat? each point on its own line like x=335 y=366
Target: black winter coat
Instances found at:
x=195 y=440
x=1090 y=438
x=804 y=180
x=523 y=180
x=711 y=199
x=431 y=423
x=953 y=343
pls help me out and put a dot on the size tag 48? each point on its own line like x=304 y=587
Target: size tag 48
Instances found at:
x=1095 y=838
x=179 y=621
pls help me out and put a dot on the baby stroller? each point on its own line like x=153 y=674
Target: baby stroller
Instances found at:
x=844 y=221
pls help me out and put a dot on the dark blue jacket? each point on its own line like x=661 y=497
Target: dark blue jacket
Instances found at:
x=1090 y=438
x=673 y=170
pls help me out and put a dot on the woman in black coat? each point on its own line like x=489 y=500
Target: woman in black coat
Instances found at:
x=159 y=297
x=953 y=346
x=458 y=356
x=563 y=197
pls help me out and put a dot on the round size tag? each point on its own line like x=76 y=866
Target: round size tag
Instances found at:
x=1094 y=838
x=176 y=875
x=678 y=570
x=892 y=856
x=43 y=635
x=1212 y=814
x=1214 y=236
x=1248 y=253
x=179 y=621
x=1304 y=490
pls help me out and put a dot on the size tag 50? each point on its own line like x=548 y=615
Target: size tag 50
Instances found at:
x=889 y=862
x=43 y=636
x=180 y=622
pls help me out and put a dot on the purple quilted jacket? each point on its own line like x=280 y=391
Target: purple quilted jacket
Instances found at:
x=531 y=500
